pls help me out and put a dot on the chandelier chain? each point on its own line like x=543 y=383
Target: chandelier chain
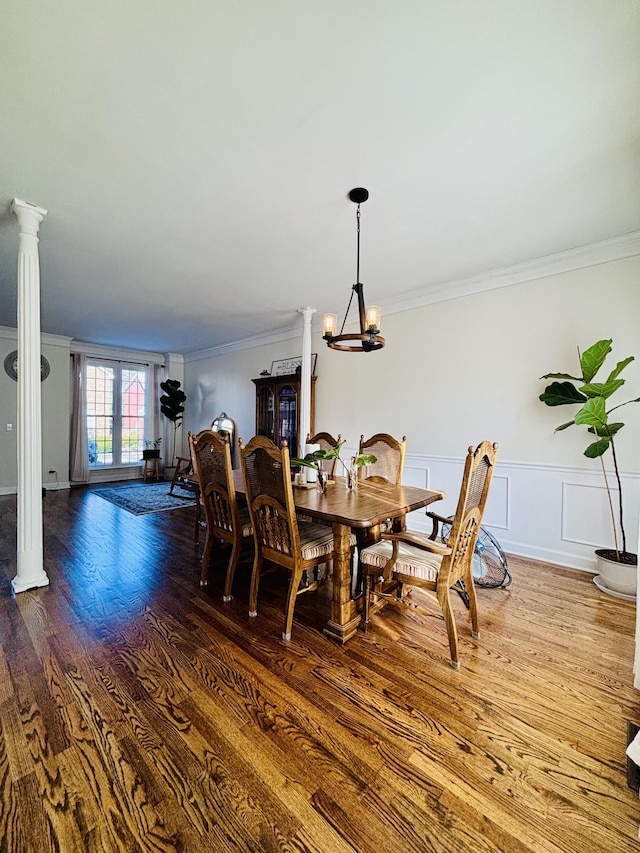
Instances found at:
x=344 y=319
x=358 y=252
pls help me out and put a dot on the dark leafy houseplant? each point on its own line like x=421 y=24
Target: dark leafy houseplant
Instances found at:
x=172 y=406
x=592 y=398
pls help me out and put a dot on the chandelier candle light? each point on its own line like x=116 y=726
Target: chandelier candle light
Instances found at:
x=369 y=337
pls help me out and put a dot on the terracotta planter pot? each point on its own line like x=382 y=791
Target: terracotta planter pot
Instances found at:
x=615 y=575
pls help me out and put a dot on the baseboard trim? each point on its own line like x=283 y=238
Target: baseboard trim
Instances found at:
x=546 y=555
x=49 y=487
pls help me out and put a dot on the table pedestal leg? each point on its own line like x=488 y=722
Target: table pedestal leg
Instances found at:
x=344 y=614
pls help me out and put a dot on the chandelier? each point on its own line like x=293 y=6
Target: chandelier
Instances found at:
x=369 y=337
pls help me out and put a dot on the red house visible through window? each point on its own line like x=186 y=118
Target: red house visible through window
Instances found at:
x=115 y=413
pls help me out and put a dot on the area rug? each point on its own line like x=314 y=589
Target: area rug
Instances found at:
x=142 y=498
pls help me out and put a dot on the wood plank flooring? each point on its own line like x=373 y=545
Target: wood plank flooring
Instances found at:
x=140 y=713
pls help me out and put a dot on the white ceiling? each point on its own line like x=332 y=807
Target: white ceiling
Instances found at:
x=195 y=158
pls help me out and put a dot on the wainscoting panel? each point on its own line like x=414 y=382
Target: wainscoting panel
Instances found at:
x=416 y=476
x=551 y=513
x=586 y=515
x=496 y=513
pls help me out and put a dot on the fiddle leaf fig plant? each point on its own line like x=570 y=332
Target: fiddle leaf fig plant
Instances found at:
x=171 y=406
x=592 y=398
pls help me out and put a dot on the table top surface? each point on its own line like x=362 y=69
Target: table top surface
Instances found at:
x=366 y=506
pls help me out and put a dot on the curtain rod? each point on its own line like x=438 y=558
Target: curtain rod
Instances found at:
x=119 y=360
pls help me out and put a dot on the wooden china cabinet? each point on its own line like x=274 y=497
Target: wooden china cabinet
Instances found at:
x=278 y=408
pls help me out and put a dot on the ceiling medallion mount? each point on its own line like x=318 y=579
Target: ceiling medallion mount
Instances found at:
x=369 y=337
x=359 y=195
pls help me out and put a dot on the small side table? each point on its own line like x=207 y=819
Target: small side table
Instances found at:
x=150 y=466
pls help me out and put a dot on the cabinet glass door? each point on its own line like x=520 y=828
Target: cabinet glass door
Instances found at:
x=288 y=417
x=265 y=413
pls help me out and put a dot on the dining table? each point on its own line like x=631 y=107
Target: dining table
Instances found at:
x=361 y=510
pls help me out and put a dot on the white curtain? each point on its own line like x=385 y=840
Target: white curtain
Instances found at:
x=79 y=449
x=152 y=425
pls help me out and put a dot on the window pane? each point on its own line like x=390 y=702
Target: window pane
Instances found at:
x=100 y=399
x=115 y=413
x=133 y=387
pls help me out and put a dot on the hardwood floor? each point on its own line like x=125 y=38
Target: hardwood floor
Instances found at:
x=139 y=713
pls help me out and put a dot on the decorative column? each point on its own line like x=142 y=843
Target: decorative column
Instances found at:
x=30 y=562
x=305 y=379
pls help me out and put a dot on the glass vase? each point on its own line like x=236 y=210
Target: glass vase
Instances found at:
x=352 y=478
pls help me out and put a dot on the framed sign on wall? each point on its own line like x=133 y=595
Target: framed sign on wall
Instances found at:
x=286 y=366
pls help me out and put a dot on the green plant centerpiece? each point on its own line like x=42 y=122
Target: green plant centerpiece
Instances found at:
x=315 y=459
x=172 y=407
x=593 y=397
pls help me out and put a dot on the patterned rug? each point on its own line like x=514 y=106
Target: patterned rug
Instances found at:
x=142 y=498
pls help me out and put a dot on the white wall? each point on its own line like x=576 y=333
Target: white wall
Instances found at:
x=55 y=414
x=459 y=371
x=452 y=373
x=223 y=383
x=56 y=409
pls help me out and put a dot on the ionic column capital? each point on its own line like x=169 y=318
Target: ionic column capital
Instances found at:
x=29 y=215
x=307 y=313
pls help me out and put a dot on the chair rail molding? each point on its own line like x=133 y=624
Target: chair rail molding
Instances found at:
x=552 y=513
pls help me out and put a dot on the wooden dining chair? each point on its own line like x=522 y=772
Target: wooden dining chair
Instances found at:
x=387 y=468
x=279 y=537
x=389 y=454
x=226 y=521
x=326 y=442
x=183 y=470
x=417 y=560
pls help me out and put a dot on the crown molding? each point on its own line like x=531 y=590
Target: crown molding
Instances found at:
x=11 y=334
x=56 y=340
x=594 y=254
x=581 y=257
x=273 y=337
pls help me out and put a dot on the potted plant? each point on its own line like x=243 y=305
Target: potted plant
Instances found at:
x=172 y=407
x=617 y=565
x=151 y=449
x=315 y=458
